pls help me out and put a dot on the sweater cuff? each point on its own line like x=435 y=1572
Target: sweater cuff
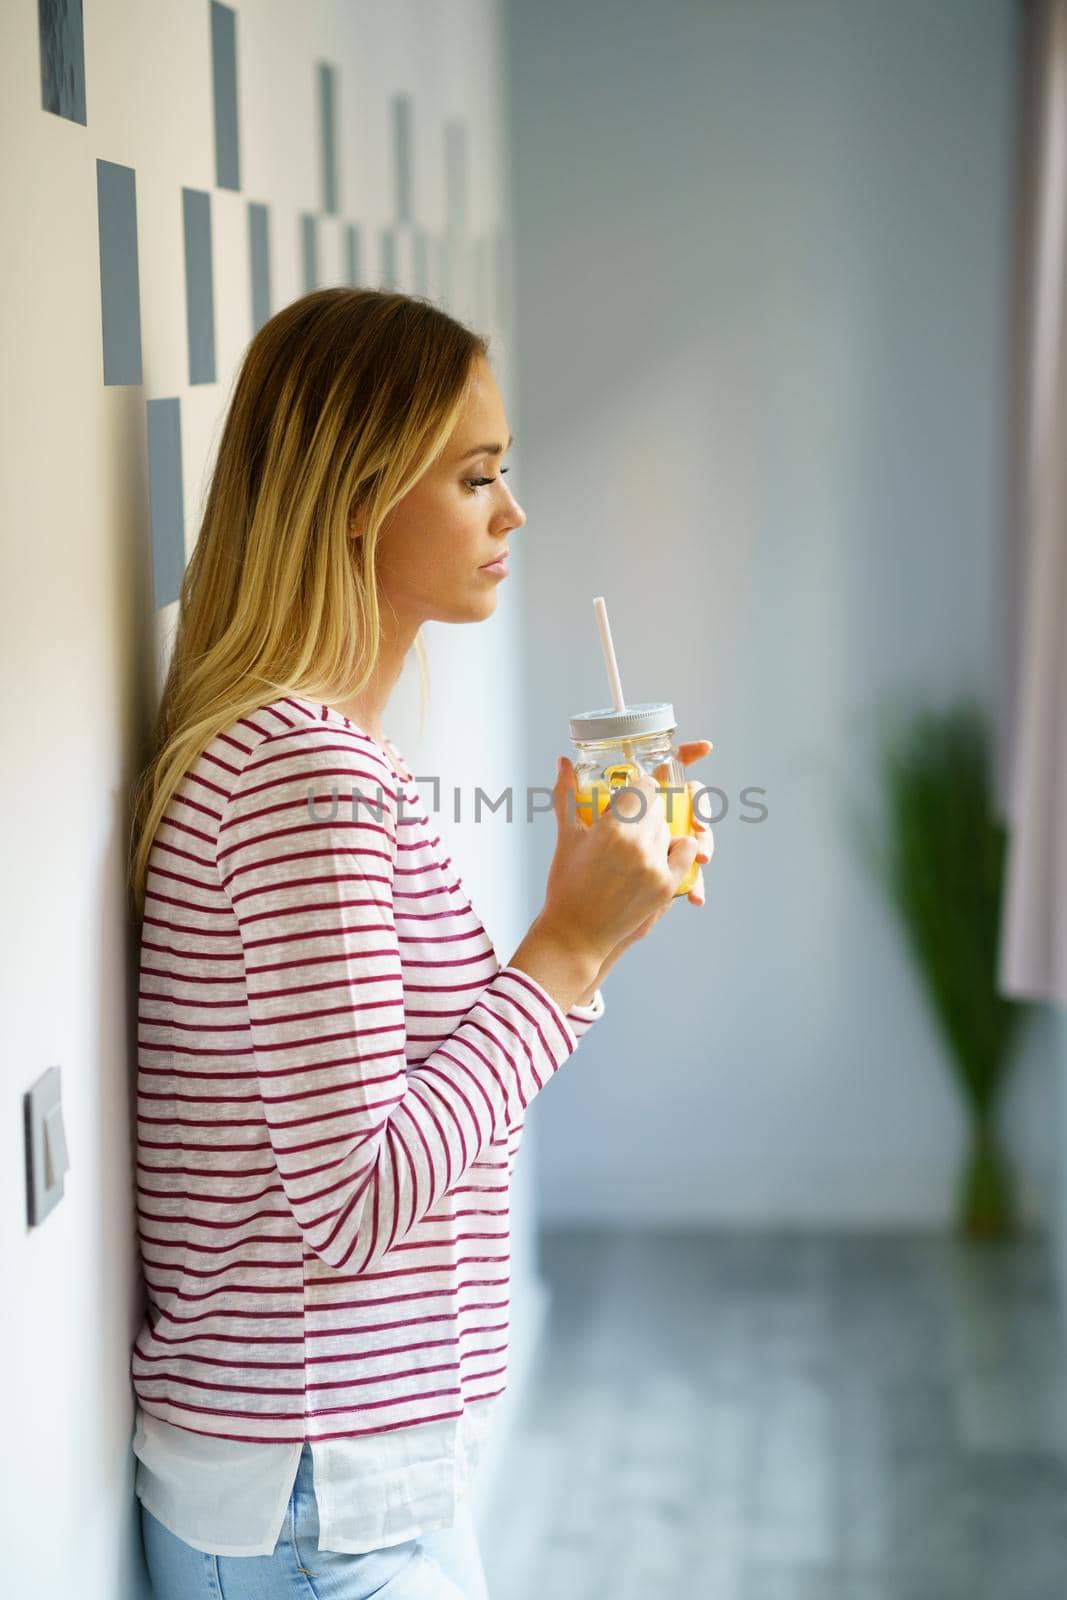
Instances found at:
x=581 y=1018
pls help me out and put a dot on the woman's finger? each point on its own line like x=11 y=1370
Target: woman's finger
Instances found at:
x=696 y=893
x=701 y=828
x=564 y=791
x=689 y=752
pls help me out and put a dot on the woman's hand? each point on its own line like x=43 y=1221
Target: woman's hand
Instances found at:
x=695 y=750
x=608 y=877
x=689 y=752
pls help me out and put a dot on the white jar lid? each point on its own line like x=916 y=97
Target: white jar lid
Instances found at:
x=647 y=716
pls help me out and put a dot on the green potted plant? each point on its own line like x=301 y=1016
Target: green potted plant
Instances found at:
x=940 y=859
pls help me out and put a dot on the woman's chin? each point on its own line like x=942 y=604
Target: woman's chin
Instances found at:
x=484 y=604
x=475 y=608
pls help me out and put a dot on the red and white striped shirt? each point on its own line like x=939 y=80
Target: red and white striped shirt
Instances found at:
x=332 y=1079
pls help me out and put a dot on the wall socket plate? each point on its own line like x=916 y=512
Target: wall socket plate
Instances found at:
x=46 y=1146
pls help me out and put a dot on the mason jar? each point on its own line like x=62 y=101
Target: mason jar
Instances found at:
x=612 y=747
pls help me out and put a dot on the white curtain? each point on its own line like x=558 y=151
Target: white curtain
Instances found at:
x=1033 y=952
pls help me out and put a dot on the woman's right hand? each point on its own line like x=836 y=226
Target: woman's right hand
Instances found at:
x=610 y=876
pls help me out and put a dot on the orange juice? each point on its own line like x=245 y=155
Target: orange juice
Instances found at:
x=677 y=801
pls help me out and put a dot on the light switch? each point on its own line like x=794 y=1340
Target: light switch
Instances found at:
x=56 y=1160
x=46 y=1146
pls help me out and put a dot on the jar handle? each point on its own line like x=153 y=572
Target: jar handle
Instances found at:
x=618 y=776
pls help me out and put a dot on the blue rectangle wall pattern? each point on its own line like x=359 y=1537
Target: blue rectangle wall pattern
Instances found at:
x=224 y=85
x=166 y=499
x=402 y=156
x=199 y=285
x=120 y=305
x=62 y=40
x=328 y=135
x=259 y=259
x=309 y=251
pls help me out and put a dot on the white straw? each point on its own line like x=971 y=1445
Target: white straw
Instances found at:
x=617 y=700
x=608 y=648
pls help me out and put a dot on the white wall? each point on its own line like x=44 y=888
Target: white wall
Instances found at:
x=763 y=258
x=82 y=651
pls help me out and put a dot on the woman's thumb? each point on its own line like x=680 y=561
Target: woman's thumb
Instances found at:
x=564 y=792
x=681 y=853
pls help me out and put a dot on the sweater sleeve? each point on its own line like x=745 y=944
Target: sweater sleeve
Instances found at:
x=365 y=1146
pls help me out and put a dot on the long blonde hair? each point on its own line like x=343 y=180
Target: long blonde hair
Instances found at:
x=344 y=400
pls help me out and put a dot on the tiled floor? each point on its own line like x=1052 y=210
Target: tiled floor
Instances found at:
x=752 y=1416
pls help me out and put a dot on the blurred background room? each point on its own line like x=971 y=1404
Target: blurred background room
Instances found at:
x=776 y=294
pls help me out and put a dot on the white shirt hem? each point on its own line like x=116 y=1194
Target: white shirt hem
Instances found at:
x=215 y=1549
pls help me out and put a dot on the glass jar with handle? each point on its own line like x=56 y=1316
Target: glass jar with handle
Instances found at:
x=612 y=747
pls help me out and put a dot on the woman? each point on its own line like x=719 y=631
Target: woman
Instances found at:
x=333 y=1064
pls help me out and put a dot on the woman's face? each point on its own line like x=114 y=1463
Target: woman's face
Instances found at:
x=436 y=541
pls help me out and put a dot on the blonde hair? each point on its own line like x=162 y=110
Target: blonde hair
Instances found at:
x=343 y=401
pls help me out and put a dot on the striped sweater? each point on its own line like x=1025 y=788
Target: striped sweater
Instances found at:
x=333 y=1072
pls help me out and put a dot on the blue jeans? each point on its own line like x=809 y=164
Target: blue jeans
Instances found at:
x=441 y=1565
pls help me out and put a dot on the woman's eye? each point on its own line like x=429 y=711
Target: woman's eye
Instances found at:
x=480 y=483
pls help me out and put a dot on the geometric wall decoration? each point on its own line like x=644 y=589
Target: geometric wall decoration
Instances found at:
x=199 y=285
x=224 y=86
x=165 y=499
x=461 y=273
x=259 y=261
x=59 y=26
x=120 y=308
x=327 y=84
x=421 y=248
x=403 y=136
x=309 y=250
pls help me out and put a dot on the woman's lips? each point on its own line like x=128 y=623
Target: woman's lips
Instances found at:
x=500 y=568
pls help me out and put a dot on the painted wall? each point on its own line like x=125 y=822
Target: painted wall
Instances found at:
x=763 y=258
x=172 y=175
